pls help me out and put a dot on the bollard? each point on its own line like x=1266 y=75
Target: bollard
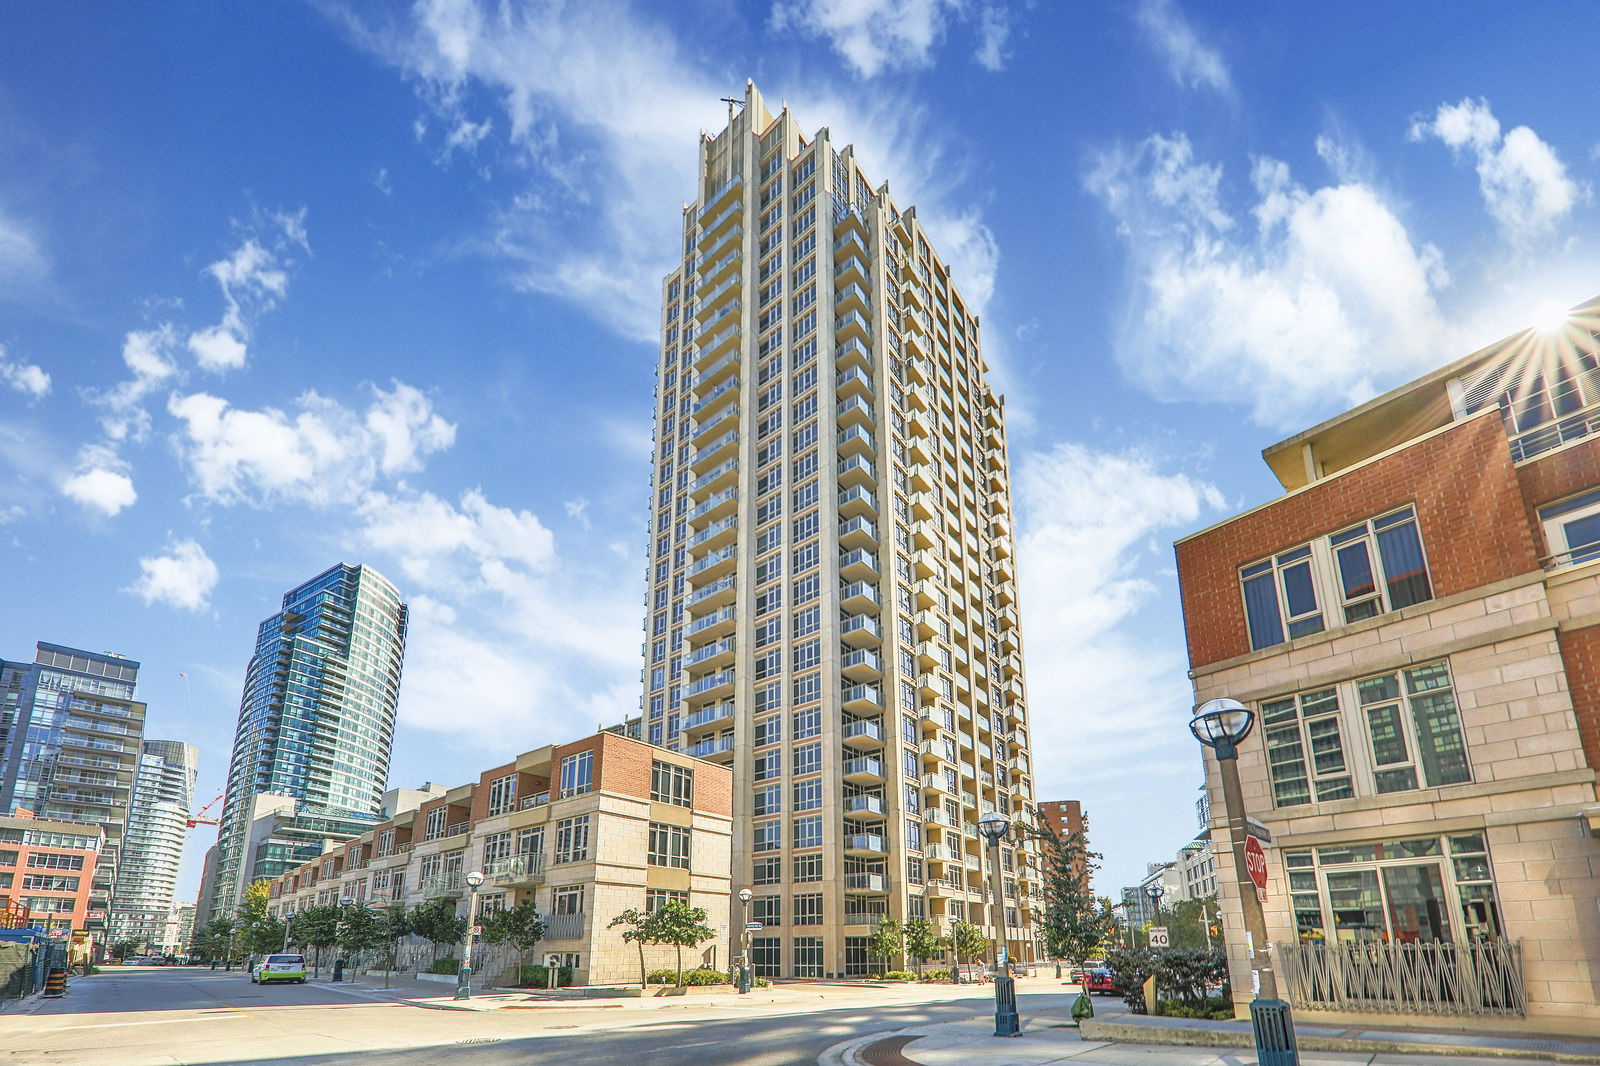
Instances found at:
x=56 y=983
x=1274 y=1033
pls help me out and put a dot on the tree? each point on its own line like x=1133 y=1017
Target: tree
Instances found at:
x=922 y=942
x=967 y=939
x=887 y=940
x=521 y=926
x=262 y=936
x=396 y=927
x=123 y=949
x=682 y=926
x=213 y=941
x=1187 y=922
x=360 y=930
x=1076 y=923
x=317 y=928
x=437 y=922
x=639 y=932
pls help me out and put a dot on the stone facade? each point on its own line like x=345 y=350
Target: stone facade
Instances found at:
x=519 y=824
x=1427 y=773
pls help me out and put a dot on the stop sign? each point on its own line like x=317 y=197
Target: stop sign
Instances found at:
x=1255 y=861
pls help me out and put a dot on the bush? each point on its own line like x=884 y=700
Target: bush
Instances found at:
x=760 y=982
x=898 y=975
x=1216 y=1008
x=935 y=975
x=1188 y=973
x=534 y=975
x=700 y=975
x=444 y=966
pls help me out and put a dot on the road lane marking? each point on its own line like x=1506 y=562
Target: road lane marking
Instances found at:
x=119 y=1025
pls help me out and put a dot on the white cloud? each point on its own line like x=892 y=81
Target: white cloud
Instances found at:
x=1524 y=184
x=1093 y=552
x=994 y=29
x=1191 y=62
x=253 y=278
x=578 y=510
x=101 y=482
x=323 y=452
x=183 y=577
x=872 y=36
x=1326 y=297
x=27 y=378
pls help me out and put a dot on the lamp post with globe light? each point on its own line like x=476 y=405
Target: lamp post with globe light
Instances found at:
x=745 y=896
x=1220 y=725
x=464 y=975
x=1154 y=891
x=994 y=827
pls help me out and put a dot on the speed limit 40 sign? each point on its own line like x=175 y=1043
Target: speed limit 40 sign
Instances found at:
x=1158 y=936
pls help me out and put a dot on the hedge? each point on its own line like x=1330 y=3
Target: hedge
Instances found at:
x=534 y=975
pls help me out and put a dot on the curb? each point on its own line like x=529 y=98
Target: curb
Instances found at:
x=846 y=1054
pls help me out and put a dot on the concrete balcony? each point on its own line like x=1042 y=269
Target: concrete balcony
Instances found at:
x=861 y=699
x=714 y=564
x=856 y=883
x=714 y=624
x=865 y=844
x=858 y=532
x=716 y=534
x=863 y=770
x=853 y=324
x=715 y=594
x=853 y=354
x=517 y=870
x=717 y=653
x=858 y=501
x=716 y=451
x=864 y=807
x=864 y=664
x=719 y=477
x=711 y=686
x=857 y=410
x=852 y=271
x=858 y=470
x=860 y=630
x=856 y=440
x=863 y=734
x=919 y=450
x=858 y=565
x=715 y=716
x=851 y=243
x=859 y=596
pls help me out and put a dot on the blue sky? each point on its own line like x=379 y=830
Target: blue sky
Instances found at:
x=282 y=285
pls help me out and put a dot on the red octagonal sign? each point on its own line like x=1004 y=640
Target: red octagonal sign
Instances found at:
x=1255 y=861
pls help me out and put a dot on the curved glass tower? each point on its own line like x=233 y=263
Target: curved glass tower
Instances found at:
x=316 y=726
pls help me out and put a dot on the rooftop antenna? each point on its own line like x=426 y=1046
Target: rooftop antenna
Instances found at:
x=732 y=102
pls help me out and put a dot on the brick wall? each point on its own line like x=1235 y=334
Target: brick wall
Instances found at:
x=1470 y=508
x=1580 y=653
x=480 y=795
x=1557 y=475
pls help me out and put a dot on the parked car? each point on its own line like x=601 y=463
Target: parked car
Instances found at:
x=279 y=968
x=1099 y=982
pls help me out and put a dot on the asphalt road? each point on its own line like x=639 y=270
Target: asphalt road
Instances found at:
x=157 y=1016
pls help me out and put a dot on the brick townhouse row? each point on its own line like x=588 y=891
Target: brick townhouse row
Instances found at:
x=1416 y=624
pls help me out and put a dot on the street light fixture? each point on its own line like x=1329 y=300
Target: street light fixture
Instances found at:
x=994 y=827
x=745 y=896
x=1155 y=892
x=1220 y=725
x=464 y=974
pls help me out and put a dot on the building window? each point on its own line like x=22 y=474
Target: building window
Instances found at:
x=768 y=836
x=572 y=839
x=435 y=828
x=768 y=731
x=808 y=909
x=808 y=759
x=496 y=846
x=503 y=794
x=808 y=795
x=1572 y=528
x=1410 y=722
x=767 y=872
x=567 y=900
x=857 y=956
x=1359 y=572
x=1403 y=891
x=531 y=841
x=577 y=774
x=766 y=956
x=768 y=800
x=808 y=832
x=808 y=956
x=385 y=842
x=669 y=846
x=655 y=897
x=807 y=868
x=672 y=784
x=769 y=765
x=768 y=910
x=808 y=722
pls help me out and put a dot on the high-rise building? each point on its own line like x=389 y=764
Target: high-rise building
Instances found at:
x=70 y=736
x=831 y=607
x=152 y=851
x=1065 y=818
x=316 y=726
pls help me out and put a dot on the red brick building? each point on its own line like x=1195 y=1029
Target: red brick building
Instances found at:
x=47 y=869
x=1416 y=623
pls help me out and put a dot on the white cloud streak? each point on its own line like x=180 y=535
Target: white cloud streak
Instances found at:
x=1191 y=62
x=30 y=379
x=1322 y=298
x=101 y=482
x=1525 y=186
x=183 y=577
x=253 y=278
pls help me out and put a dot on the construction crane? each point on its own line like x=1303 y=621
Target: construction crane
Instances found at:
x=199 y=817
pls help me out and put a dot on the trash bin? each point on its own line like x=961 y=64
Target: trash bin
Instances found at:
x=1274 y=1033
x=338 y=969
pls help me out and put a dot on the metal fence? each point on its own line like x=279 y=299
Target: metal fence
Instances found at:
x=1483 y=977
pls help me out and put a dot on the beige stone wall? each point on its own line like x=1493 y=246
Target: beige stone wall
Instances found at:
x=1530 y=779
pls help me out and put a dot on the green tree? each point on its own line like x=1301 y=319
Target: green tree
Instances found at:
x=361 y=929
x=637 y=931
x=437 y=922
x=1187 y=922
x=1076 y=922
x=682 y=926
x=213 y=940
x=396 y=927
x=967 y=940
x=124 y=949
x=317 y=928
x=261 y=936
x=922 y=942
x=521 y=926
x=888 y=941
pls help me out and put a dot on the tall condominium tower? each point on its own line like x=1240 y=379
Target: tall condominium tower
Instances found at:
x=153 y=848
x=316 y=726
x=831 y=608
x=70 y=735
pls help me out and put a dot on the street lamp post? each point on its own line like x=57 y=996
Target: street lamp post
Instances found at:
x=1220 y=725
x=464 y=974
x=745 y=896
x=1154 y=891
x=994 y=827
x=345 y=903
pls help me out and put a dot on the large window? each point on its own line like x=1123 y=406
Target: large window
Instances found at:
x=1572 y=528
x=669 y=846
x=1390 y=733
x=577 y=774
x=808 y=909
x=503 y=794
x=1356 y=573
x=808 y=956
x=1404 y=891
x=572 y=839
x=766 y=956
x=672 y=784
x=655 y=897
x=567 y=900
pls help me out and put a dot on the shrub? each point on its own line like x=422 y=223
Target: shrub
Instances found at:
x=1188 y=973
x=898 y=975
x=760 y=982
x=700 y=975
x=534 y=975
x=444 y=966
x=935 y=975
x=1218 y=1008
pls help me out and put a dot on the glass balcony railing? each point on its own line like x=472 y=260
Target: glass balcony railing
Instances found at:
x=706 y=684
x=710 y=590
x=713 y=530
x=713 y=502
x=706 y=715
x=712 y=619
x=710 y=651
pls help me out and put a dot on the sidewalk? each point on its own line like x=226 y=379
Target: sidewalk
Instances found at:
x=1137 y=1040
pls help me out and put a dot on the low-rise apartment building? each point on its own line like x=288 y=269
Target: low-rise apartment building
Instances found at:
x=47 y=870
x=1416 y=625
x=586 y=830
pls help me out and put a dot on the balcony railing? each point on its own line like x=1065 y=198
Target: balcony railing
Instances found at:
x=537 y=800
x=519 y=869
